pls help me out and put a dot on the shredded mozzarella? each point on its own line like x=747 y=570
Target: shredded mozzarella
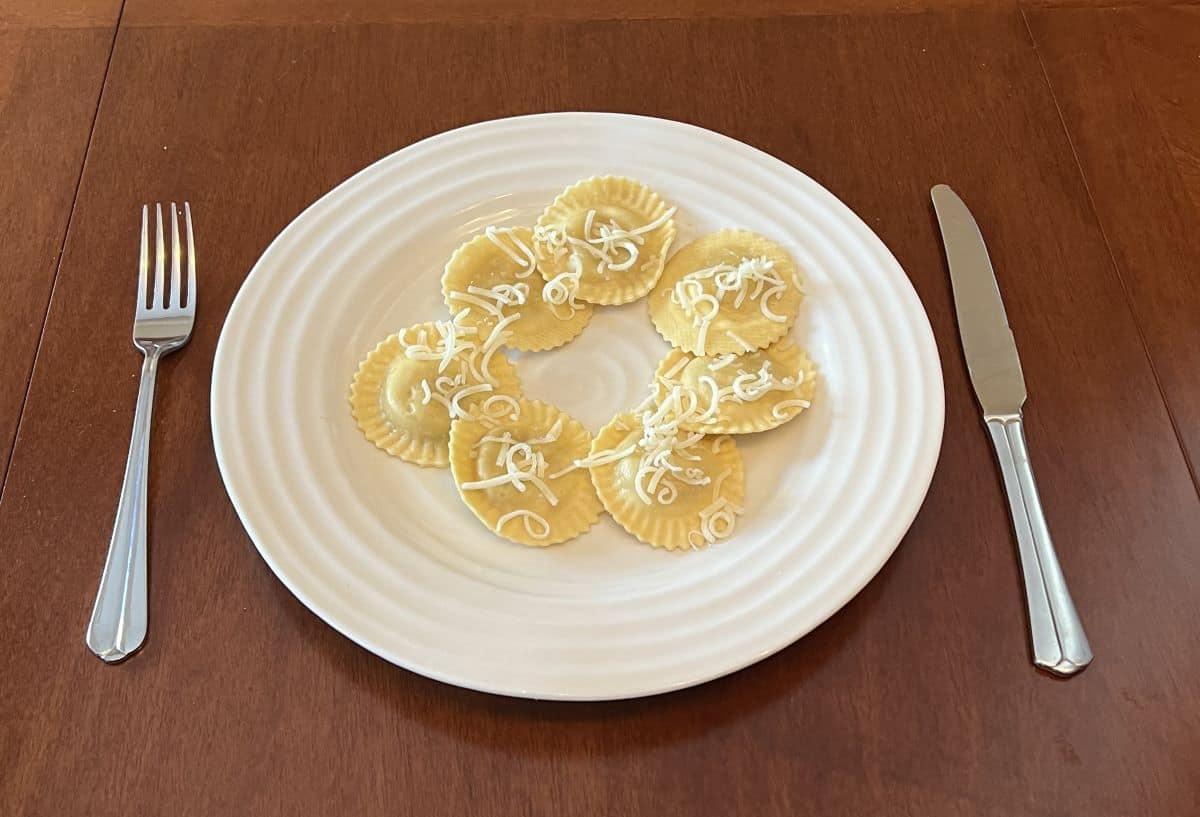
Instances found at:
x=521 y=464
x=450 y=391
x=503 y=294
x=746 y=387
x=676 y=368
x=663 y=450
x=529 y=518
x=551 y=238
x=450 y=342
x=613 y=247
x=717 y=519
x=526 y=258
x=492 y=300
x=505 y=402
x=456 y=410
x=499 y=336
x=780 y=410
x=739 y=340
x=775 y=291
x=600 y=458
x=752 y=278
x=550 y=436
x=562 y=289
x=474 y=300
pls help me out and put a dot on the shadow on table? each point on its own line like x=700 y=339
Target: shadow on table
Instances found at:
x=545 y=728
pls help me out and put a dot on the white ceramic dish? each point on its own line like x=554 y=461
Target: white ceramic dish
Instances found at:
x=386 y=552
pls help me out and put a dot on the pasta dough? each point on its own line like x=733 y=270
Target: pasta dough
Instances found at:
x=740 y=394
x=514 y=465
x=408 y=388
x=670 y=488
x=494 y=277
x=729 y=292
x=609 y=234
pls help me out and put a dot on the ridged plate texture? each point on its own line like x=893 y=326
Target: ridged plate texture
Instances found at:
x=386 y=552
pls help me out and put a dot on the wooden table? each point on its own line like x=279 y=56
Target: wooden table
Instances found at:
x=1073 y=132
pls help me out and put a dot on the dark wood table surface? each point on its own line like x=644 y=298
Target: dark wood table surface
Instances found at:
x=1073 y=130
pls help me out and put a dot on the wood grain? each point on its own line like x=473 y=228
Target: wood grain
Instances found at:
x=916 y=699
x=59 y=14
x=1127 y=81
x=277 y=12
x=49 y=82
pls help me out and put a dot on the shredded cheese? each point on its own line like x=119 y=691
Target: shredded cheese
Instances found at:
x=746 y=387
x=450 y=391
x=521 y=465
x=562 y=289
x=456 y=410
x=780 y=410
x=551 y=238
x=498 y=337
x=675 y=369
x=739 y=340
x=662 y=451
x=522 y=462
x=491 y=300
x=526 y=260
x=474 y=300
x=752 y=278
x=529 y=518
x=612 y=246
x=717 y=519
x=506 y=403
x=450 y=342
x=597 y=459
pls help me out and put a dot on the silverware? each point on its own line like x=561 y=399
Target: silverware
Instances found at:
x=1059 y=643
x=118 y=624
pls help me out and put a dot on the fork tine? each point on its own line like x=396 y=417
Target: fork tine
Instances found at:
x=144 y=259
x=175 y=260
x=160 y=259
x=191 y=257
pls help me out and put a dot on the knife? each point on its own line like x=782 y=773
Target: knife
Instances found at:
x=1059 y=643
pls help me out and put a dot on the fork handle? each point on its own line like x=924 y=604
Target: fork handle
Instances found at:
x=1059 y=643
x=118 y=624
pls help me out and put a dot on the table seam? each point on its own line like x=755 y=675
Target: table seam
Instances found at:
x=1116 y=266
x=16 y=434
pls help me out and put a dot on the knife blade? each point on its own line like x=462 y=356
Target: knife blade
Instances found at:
x=1059 y=643
x=987 y=340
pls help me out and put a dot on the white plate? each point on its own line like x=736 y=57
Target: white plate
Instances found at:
x=386 y=552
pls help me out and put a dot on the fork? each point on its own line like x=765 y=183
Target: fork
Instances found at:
x=118 y=624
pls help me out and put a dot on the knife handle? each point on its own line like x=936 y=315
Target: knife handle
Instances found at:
x=1059 y=643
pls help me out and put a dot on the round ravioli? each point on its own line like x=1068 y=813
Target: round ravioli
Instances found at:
x=740 y=394
x=688 y=497
x=609 y=234
x=408 y=388
x=514 y=462
x=732 y=291
x=494 y=277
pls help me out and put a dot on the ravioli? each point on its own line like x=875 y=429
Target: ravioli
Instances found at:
x=514 y=465
x=728 y=292
x=494 y=277
x=408 y=388
x=741 y=394
x=667 y=487
x=609 y=234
